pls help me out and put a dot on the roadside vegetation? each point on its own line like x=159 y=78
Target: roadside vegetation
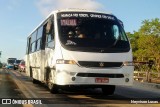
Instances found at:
x=146 y=43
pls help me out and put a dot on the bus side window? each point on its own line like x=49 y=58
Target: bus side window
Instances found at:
x=50 y=34
x=38 y=44
x=33 y=42
x=50 y=41
x=39 y=38
x=28 y=46
x=43 y=40
x=33 y=47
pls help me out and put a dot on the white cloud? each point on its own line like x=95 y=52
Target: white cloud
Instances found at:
x=46 y=6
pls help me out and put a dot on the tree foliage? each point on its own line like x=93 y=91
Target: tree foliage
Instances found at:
x=150 y=27
x=146 y=41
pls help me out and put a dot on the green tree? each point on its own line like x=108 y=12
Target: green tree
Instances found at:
x=146 y=42
x=149 y=38
x=150 y=27
x=133 y=40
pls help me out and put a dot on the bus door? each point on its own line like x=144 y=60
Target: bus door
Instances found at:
x=49 y=48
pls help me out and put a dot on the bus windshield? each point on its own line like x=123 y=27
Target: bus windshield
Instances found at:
x=18 y=61
x=91 y=32
x=11 y=60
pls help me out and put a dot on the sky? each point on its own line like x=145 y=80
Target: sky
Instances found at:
x=19 y=17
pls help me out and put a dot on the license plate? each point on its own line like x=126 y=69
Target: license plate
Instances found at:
x=101 y=80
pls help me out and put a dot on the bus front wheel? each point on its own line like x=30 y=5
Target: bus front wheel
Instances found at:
x=52 y=87
x=108 y=89
x=35 y=81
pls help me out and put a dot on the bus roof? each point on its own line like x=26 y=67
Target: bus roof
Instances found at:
x=12 y=58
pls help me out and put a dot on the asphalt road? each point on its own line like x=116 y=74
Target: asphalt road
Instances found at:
x=17 y=85
x=8 y=89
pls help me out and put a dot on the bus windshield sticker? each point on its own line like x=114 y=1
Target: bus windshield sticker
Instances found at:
x=68 y=22
x=69 y=42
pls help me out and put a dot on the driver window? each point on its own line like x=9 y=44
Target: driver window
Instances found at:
x=50 y=34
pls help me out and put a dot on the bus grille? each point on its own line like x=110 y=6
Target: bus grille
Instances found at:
x=100 y=75
x=100 y=64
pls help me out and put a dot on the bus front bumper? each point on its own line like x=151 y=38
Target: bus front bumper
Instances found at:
x=73 y=75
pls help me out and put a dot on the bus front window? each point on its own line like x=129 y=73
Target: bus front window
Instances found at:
x=92 y=34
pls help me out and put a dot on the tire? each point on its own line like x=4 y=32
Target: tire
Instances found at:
x=19 y=69
x=30 y=71
x=14 y=68
x=108 y=90
x=52 y=87
x=35 y=81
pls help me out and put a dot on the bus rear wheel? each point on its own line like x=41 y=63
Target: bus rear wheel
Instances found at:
x=108 y=90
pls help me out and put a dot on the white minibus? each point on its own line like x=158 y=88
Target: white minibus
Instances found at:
x=80 y=48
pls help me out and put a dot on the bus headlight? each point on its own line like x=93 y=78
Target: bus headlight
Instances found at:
x=128 y=63
x=62 y=61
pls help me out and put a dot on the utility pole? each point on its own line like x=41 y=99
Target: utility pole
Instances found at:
x=0 y=55
x=0 y=59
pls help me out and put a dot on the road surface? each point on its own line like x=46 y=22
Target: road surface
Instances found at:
x=17 y=85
